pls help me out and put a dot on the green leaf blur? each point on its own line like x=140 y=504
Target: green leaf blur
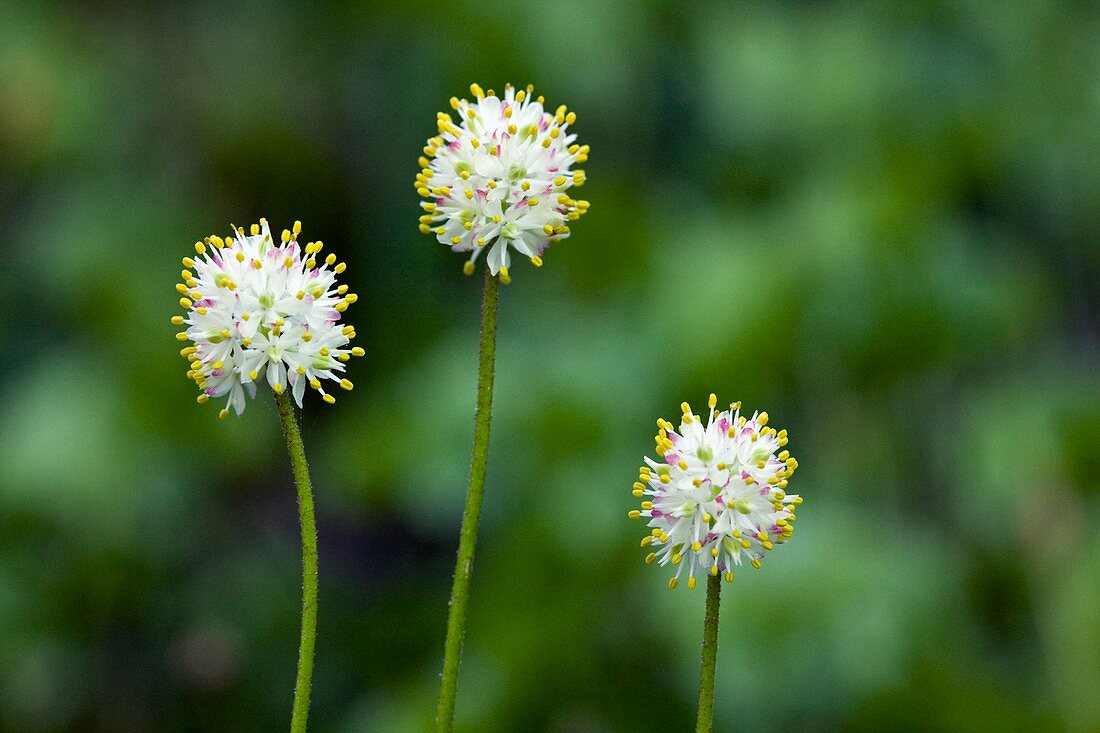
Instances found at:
x=879 y=222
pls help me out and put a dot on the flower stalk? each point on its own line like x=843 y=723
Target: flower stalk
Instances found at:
x=304 y=684
x=460 y=592
x=710 y=656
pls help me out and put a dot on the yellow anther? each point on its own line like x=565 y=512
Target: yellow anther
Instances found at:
x=476 y=90
x=468 y=268
x=696 y=546
x=203 y=398
x=713 y=400
x=647 y=540
x=328 y=398
x=756 y=563
x=339 y=269
x=200 y=248
x=691 y=583
x=177 y=320
x=223 y=413
x=677 y=558
x=634 y=514
x=682 y=464
x=504 y=276
x=672 y=583
x=647 y=505
x=346 y=384
x=729 y=576
x=185 y=303
x=536 y=261
x=762 y=419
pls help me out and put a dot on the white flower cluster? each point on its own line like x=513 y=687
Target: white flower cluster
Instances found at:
x=719 y=493
x=498 y=178
x=257 y=309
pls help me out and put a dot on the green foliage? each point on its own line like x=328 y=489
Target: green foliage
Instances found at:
x=877 y=221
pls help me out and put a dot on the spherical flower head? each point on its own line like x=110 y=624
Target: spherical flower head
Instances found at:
x=263 y=310
x=497 y=178
x=718 y=495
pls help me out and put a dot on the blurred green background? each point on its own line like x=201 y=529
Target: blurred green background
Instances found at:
x=878 y=221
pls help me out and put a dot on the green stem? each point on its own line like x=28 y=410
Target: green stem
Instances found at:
x=710 y=656
x=460 y=592
x=308 y=641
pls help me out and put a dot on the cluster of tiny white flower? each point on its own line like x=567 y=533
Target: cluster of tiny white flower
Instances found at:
x=498 y=178
x=260 y=309
x=718 y=494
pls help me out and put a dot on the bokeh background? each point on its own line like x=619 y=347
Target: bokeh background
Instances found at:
x=878 y=221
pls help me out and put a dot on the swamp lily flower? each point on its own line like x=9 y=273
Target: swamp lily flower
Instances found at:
x=260 y=310
x=497 y=178
x=718 y=495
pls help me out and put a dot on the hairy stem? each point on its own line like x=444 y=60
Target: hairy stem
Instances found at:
x=304 y=684
x=710 y=656
x=460 y=591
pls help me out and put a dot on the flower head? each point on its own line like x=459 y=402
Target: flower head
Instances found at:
x=257 y=309
x=718 y=494
x=498 y=178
